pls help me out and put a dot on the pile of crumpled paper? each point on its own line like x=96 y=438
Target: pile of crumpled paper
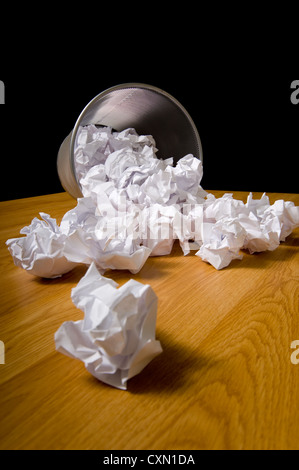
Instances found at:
x=136 y=205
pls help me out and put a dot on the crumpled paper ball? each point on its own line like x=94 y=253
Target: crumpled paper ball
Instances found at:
x=41 y=251
x=230 y=225
x=116 y=338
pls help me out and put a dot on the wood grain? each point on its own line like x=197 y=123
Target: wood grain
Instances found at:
x=224 y=380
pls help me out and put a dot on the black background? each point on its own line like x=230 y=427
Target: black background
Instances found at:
x=236 y=91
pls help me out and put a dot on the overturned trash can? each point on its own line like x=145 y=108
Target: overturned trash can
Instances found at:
x=147 y=109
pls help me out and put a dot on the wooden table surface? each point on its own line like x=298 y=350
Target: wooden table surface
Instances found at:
x=225 y=379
